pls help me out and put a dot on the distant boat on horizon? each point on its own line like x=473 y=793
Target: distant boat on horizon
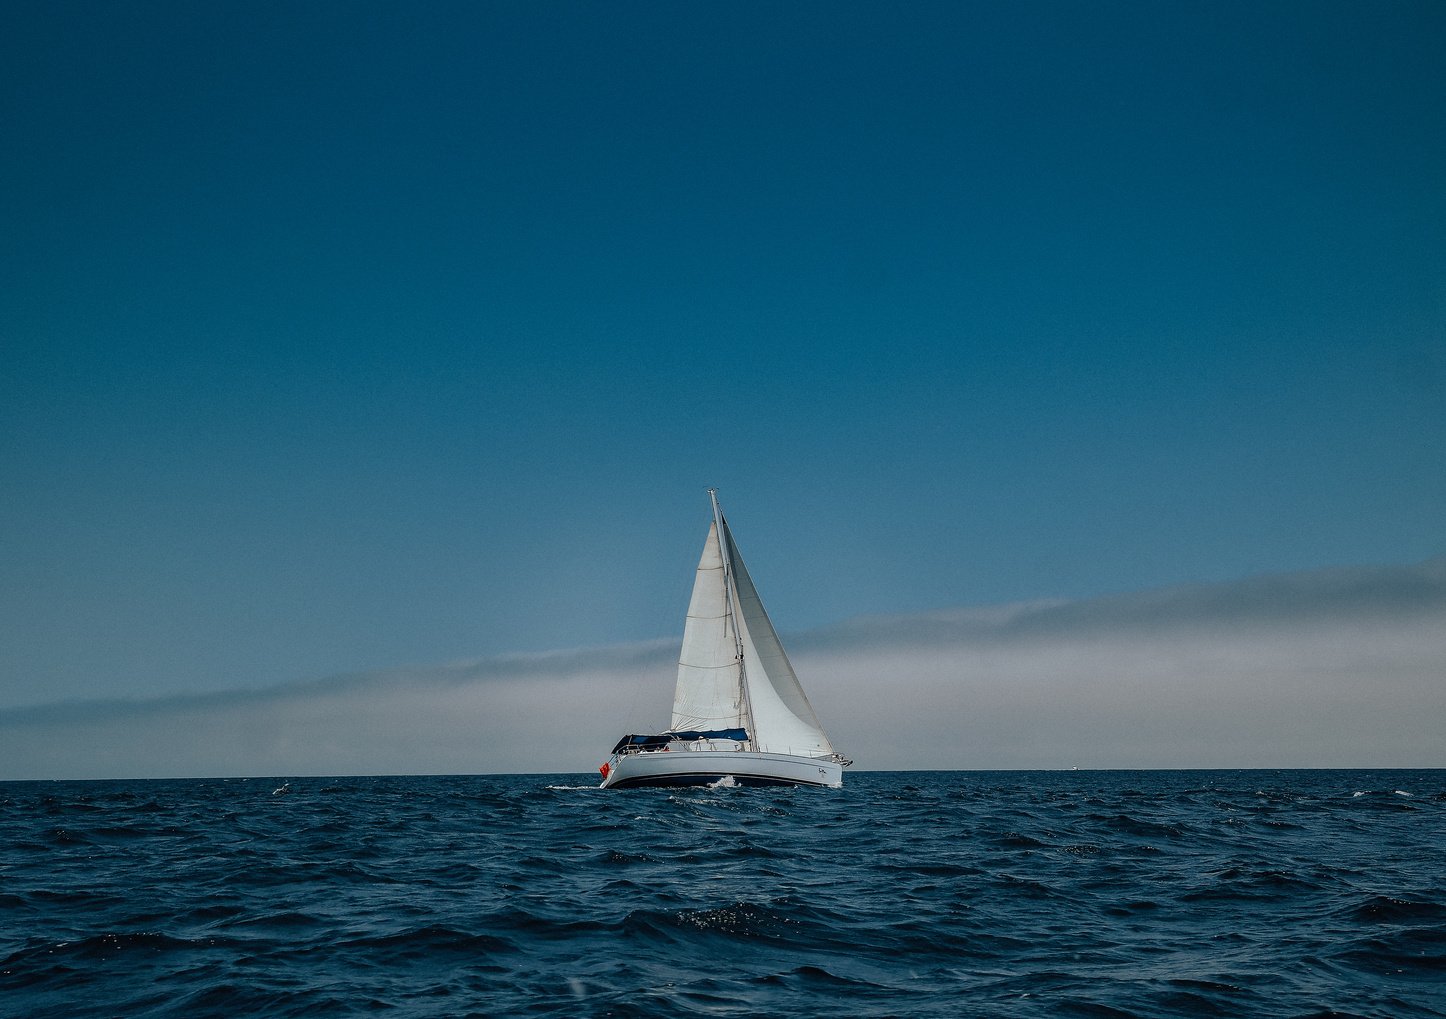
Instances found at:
x=740 y=716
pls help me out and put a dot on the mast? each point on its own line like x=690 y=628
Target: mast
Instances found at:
x=723 y=544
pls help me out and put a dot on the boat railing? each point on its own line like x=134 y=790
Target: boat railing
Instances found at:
x=684 y=746
x=812 y=753
x=728 y=745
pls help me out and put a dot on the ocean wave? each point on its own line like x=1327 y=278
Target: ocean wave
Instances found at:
x=1009 y=894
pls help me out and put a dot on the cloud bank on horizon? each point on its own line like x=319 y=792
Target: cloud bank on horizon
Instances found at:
x=1329 y=668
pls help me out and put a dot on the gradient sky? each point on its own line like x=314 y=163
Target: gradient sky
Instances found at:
x=341 y=337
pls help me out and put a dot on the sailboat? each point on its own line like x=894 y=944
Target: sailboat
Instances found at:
x=740 y=716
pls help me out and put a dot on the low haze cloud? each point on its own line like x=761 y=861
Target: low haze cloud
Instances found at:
x=1336 y=668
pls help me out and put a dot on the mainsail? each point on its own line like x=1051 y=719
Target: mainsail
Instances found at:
x=716 y=688
x=709 y=694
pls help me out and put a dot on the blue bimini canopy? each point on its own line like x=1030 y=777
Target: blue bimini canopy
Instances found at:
x=642 y=742
x=662 y=739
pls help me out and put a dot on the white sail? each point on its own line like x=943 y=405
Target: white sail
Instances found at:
x=709 y=695
x=783 y=719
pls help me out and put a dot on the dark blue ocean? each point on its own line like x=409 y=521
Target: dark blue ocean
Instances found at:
x=1177 y=893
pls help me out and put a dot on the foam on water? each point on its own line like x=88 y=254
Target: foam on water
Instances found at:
x=1275 y=894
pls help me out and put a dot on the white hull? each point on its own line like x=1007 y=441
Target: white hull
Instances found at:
x=705 y=767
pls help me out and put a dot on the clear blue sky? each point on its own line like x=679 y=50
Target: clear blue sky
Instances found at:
x=340 y=336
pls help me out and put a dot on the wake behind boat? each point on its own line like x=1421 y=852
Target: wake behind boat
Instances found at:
x=739 y=714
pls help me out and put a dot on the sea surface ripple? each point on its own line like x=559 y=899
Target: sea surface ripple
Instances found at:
x=1167 y=893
